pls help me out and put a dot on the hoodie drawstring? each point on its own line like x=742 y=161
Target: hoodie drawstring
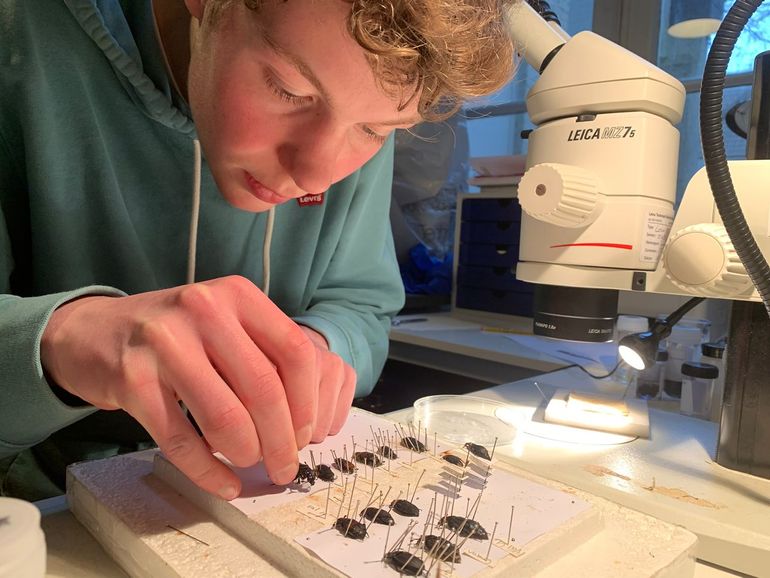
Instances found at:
x=196 y=206
x=194 y=217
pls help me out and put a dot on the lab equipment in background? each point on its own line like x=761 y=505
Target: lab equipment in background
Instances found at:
x=598 y=412
x=598 y=194
x=599 y=190
x=649 y=381
x=714 y=353
x=487 y=249
x=702 y=325
x=430 y=170
x=697 y=389
x=462 y=418
x=683 y=347
x=22 y=542
x=626 y=325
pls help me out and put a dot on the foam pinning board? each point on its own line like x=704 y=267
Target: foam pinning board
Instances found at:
x=557 y=530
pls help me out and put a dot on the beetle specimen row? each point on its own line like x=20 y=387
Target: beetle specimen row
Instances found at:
x=440 y=546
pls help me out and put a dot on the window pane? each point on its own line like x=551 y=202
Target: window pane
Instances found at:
x=500 y=135
x=685 y=58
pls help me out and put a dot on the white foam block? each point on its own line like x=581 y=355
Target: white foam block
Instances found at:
x=634 y=422
x=140 y=521
x=132 y=515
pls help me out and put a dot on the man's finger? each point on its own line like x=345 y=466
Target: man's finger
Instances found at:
x=332 y=376
x=187 y=373
x=292 y=352
x=166 y=423
x=344 y=400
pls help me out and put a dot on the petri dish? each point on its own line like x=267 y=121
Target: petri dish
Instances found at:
x=462 y=418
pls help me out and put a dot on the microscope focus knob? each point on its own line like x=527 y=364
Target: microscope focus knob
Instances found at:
x=562 y=195
x=701 y=259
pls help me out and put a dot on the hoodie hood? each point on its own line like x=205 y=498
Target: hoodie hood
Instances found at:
x=136 y=60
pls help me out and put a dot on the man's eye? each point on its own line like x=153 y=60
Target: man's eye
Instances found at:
x=283 y=94
x=376 y=137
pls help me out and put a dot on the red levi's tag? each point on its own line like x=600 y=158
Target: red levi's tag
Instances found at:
x=308 y=200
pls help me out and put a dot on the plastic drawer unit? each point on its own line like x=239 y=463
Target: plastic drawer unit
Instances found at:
x=487 y=246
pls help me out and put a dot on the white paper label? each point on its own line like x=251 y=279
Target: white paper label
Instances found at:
x=654 y=235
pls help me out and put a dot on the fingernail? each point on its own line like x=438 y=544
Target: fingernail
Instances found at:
x=288 y=473
x=303 y=436
x=228 y=492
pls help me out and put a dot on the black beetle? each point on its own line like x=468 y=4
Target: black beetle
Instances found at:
x=351 y=528
x=478 y=451
x=305 y=474
x=378 y=516
x=344 y=466
x=405 y=508
x=440 y=548
x=465 y=526
x=454 y=460
x=324 y=473
x=367 y=458
x=406 y=563
x=413 y=444
x=387 y=452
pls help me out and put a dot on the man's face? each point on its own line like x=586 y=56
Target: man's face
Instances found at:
x=285 y=102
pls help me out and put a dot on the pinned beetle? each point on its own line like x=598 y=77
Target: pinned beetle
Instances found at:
x=466 y=527
x=413 y=444
x=387 y=452
x=350 y=528
x=368 y=459
x=440 y=548
x=305 y=474
x=324 y=473
x=478 y=451
x=405 y=508
x=345 y=466
x=378 y=516
x=405 y=563
x=454 y=460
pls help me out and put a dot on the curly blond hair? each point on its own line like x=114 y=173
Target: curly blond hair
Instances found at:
x=448 y=51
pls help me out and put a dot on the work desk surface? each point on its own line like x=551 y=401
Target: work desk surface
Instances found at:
x=678 y=456
x=474 y=353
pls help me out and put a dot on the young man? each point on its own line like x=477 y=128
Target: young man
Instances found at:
x=130 y=266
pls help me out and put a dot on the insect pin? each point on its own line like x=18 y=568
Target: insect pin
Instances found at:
x=350 y=528
x=305 y=474
x=324 y=473
x=378 y=516
x=405 y=563
x=368 y=459
x=405 y=508
x=466 y=527
x=478 y=451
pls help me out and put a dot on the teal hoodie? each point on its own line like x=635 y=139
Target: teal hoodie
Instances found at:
x=96 y=174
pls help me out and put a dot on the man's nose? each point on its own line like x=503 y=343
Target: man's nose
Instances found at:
x=310 y=155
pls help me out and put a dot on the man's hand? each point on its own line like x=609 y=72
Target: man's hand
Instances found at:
x=258 y=385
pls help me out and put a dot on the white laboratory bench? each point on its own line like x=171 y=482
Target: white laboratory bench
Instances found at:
x=671 y=476
x=474 y=353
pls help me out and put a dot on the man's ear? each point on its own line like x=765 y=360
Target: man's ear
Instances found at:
x=195 y=7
